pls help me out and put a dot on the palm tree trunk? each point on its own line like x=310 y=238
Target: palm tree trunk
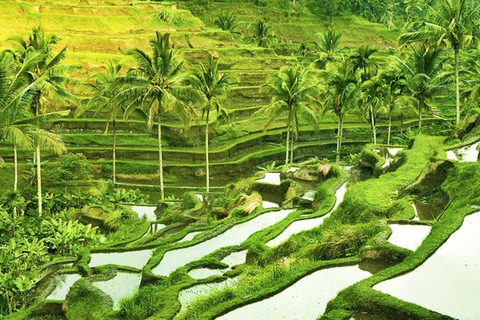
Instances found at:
x=114 y=173
x=372 y=119
x=39 y=181
x=206 y=153
x=288 y=138
x=292 y=148
x=15 y=180
x=160 y=160
x=339 y=137
x=457 y=85
x=420 y=105
x=15 y=162
x=389 y=128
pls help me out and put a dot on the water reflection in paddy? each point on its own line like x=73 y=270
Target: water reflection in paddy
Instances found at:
x=271 y=178
x=122 y=285
x=188 y=295
x=145 y=212
x=305 y=299
x=235 y=258
x=65 y=281
x=408 y=236
x=307 y=224
x=448 y=281
x=135 y=259
x=174 y=259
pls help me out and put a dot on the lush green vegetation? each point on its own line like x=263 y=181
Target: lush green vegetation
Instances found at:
x=191 y=102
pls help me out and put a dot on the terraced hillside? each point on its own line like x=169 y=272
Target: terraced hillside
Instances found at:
x=97 y=31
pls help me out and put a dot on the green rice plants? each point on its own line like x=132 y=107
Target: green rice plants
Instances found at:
x=140 y=306
x=167 y=15
x=340 y=241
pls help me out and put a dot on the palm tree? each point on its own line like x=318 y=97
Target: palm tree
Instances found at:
x=154 y=85
x=395 y=83
x=105 y=98
x=372 y=97
x=451 y=24
x=261 y=34
x=227 y=22
x=212 y=87
x=17 y=126
x=341 y=87
x=46 y=78
x=294 y=91
x=363 y=61
x=423 y=77
x=329 y=43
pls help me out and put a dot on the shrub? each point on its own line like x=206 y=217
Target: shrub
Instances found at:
x=119 y=217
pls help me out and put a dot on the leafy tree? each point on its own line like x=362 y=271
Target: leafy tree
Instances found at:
x=155 y=85
x=294 y=91
x=70 y=167
x=106 y=88
x=451 y=24
x=341 y=88
x=212 y=87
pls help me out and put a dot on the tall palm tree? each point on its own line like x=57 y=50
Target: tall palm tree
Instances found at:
x=294 y=90
x=106 y=87
x=424 y=79
x=155 y=85
x=47 y=79
x=451 y=24
x=372 y=97
x=363 y=62
x=341 y=88
x=395 y=83
x=212 y=87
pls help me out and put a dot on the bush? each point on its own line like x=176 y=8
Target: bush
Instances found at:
x=70 y=167
x=119 y=217
x=67 y=237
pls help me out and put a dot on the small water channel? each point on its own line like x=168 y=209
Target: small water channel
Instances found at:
x=189 y=236
x=135 y=259
x=65 y=281
x=174 y=259
x=121 y=286
x=408 y=236
x=306 y=299
x=202 y=273
x=307 y=224
x=448 y=281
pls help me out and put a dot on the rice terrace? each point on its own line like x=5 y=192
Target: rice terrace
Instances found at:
x=251 y=159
